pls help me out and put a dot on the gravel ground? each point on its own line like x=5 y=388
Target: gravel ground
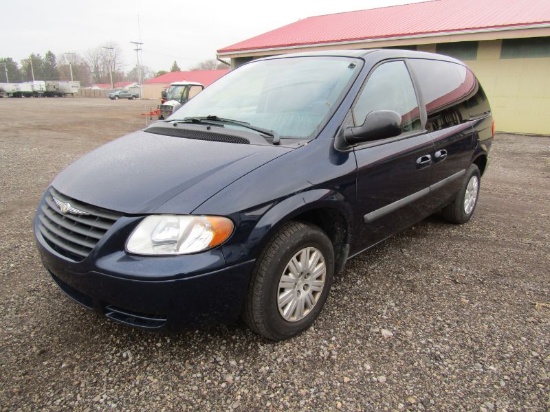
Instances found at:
x=439 y=318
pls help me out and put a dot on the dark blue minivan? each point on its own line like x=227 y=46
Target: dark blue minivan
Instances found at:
x=248 y=200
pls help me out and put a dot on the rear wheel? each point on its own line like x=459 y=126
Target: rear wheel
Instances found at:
x=462 y=208
x=290 y=282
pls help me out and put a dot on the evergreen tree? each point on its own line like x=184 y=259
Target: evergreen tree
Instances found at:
x=49 y=67
x=9 y=71
x=31 y=68
x=175 y=67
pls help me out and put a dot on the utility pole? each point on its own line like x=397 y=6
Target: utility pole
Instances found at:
x=32 y=70
x=6 y=70
x=138 y=49
x=110 y=65
x=70 y=65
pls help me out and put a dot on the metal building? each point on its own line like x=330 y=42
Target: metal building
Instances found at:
x=507 y=44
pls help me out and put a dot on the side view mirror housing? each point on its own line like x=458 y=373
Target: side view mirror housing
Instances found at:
x=379 y=124
x=163 y=94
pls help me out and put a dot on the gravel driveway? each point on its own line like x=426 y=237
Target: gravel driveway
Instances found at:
x=439 y=318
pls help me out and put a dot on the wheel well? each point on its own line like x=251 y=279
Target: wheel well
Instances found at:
x=481 y=163
x=335 y=225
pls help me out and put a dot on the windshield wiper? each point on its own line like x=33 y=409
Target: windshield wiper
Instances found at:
x=212 y=119
x=196 y=120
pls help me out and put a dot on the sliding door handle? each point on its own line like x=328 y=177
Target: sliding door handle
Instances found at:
x=440 y=155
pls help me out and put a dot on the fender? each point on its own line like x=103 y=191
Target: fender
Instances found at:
x=275 y=215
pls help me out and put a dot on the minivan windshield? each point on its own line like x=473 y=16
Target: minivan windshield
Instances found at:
x=292 y=97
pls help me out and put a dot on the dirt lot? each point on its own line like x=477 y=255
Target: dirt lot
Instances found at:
x=439 y=318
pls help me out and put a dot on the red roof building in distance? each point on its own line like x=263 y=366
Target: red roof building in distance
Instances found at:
x=418 y=20
x=103 y=86
x=204 y=77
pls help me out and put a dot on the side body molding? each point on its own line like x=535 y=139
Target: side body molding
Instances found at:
x=392 y=207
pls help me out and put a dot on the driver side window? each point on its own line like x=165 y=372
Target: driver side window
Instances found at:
x=389 y=87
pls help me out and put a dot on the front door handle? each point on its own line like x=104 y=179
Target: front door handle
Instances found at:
x=424 y=161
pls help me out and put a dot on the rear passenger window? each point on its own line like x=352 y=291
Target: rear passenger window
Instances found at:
x=448 y=89
x=389 y=87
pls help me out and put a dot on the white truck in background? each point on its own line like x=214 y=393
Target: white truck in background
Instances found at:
x=40 y=88
x=8 y=89
x=62 y=88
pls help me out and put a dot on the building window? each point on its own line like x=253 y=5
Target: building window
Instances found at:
x=525 y=48
x=464 y=50
x=413 y=47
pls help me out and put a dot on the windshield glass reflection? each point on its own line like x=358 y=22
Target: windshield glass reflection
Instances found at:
x=294 y=97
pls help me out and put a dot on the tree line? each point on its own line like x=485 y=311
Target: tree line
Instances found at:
x=102 y=64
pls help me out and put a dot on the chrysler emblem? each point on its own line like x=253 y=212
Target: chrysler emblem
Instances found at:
x=66 y=207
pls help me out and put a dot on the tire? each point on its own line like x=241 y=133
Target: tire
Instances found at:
x=462 y=208
x=116 y=97
x=284 y=299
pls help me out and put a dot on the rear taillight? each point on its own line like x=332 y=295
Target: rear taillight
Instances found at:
x=493 y=130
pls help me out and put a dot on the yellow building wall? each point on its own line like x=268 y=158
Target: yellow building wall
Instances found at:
x=518 y=89
x=152 y=91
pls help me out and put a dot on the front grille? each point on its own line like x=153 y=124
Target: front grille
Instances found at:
x=75 y=231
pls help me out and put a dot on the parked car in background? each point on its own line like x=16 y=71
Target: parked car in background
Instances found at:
x=123 y=94
x=249 y=199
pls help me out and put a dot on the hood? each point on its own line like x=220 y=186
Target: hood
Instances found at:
x=139 y=173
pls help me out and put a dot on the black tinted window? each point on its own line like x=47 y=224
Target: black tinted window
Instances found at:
x=464 y=50
x=446 y=89
x=389 y=87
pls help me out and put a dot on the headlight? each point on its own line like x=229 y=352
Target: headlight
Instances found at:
x=178 y=235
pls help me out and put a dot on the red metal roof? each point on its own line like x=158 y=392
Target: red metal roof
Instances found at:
x=427 y=18
x=104 y=86
x=205 y=77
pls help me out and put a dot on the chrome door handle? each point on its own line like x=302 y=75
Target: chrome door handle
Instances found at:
x=440 y=155
x=424 y=161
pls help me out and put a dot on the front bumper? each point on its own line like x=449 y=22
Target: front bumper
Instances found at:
x=153 y=292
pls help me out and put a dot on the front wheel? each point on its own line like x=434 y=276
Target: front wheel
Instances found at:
x=290 y=282
x=462 y=208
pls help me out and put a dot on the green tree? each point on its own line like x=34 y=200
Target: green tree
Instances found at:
x=9 y=71
x=175 y=67
x=160 y=73
x=31 y=68
x=49 y=67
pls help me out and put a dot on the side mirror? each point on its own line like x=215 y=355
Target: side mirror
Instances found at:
x=163 y=94
x=380 y=124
